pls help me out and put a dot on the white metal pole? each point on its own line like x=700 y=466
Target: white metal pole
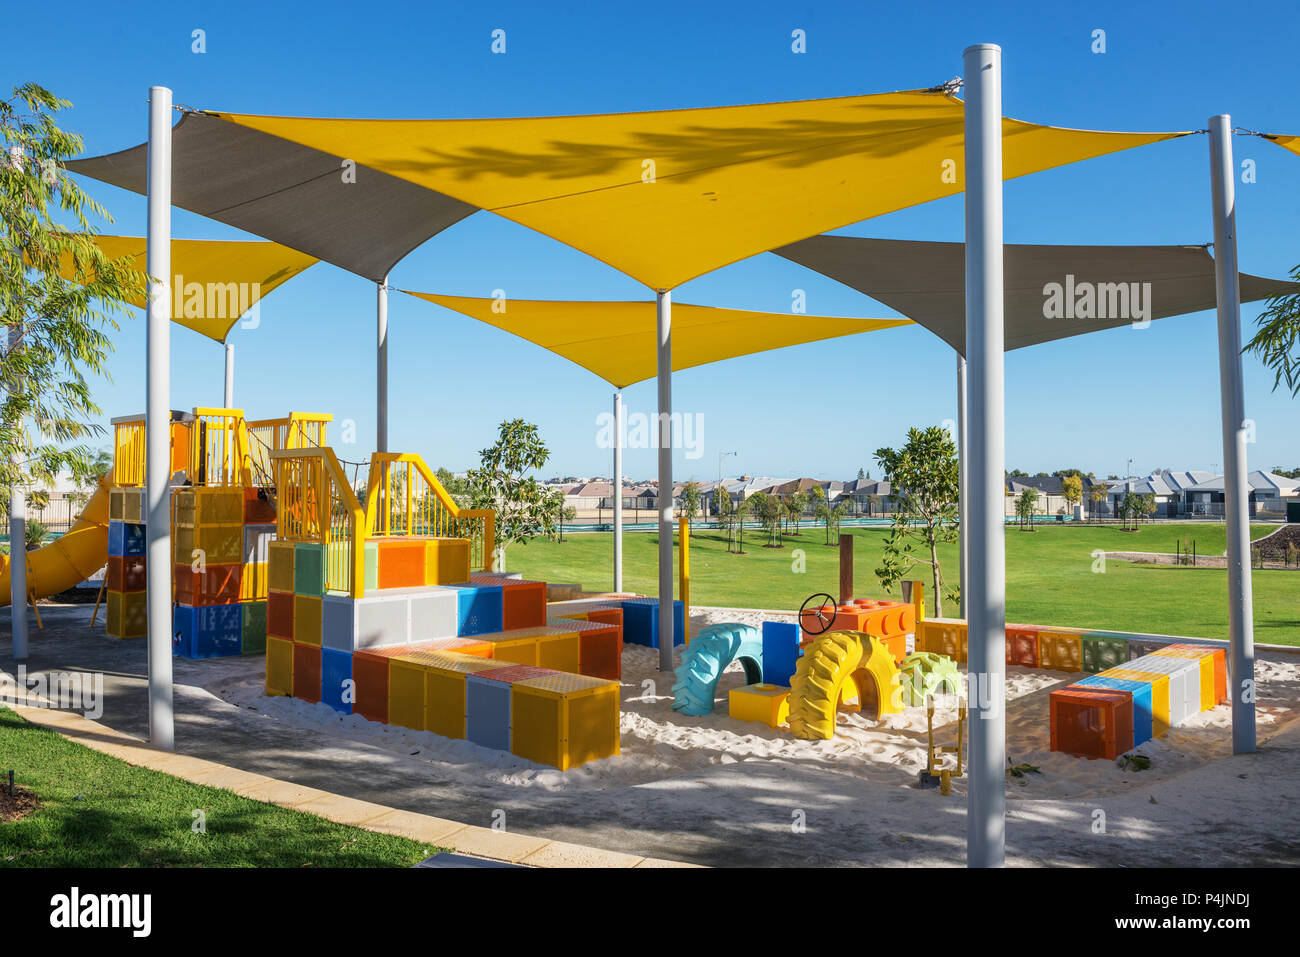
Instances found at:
x=986 y=589
x=963 y=472
x=663 y=311
x=158 y=563
x=618 y=491
x=230 y=376
x=381 y=366
x=17 y=537
x=1236 y=483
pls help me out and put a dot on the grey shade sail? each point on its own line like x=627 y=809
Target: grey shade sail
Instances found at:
x=292 y=194
x=926 y=282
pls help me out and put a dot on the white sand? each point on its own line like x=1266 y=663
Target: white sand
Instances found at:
x=690 y=761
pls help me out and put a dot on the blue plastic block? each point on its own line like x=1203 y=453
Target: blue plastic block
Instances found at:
x=487 y=712
x=335 y=679
x=1141 y=692
x=780 y=651
x=479 y=609
x=641 y=622
x=135 y=540
x=116 y=538
x=214 y=631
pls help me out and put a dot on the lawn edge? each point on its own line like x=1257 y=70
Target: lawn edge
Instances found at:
x=500 y=846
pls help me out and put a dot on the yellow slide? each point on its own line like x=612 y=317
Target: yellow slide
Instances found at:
x=839 y=667
x=69 y=560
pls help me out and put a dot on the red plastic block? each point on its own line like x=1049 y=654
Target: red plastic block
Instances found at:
x=1090 y=723
x=257 y=511
x=1022 y=646
x=401 y=564
x=306 y=672
x=279 y=614
x=600 y=653
x=215 y=585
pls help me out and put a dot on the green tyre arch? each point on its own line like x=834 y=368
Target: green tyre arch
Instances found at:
x=707 y=656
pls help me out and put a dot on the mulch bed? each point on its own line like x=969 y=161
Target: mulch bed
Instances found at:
x=22 y=803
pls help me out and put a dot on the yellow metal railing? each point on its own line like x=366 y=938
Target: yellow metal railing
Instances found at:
x=297 y=430
x=404 y=498
x=128 y=452
x=315 y=503
x=219 y=448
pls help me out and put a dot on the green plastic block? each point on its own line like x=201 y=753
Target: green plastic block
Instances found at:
x=309 y=569
x=253 y=628
x=1102 y=650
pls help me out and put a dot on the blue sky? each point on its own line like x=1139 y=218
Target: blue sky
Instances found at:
x=821 y=409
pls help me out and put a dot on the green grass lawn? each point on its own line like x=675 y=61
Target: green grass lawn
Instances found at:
x=98 y=811
x=1049 y=576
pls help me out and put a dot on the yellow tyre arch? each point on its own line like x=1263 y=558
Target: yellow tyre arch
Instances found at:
x=842 y=661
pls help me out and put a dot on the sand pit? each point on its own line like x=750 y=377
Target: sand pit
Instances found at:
x=684 y=766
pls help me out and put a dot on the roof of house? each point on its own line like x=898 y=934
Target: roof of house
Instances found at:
x=1183 y=480
x=1260 y=481
x=592 y=490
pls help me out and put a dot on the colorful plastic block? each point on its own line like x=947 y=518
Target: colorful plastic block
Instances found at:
x=257 y=542
x=1101 y=651
x=258 y=510
x=780 y=651
x=1218 y=664
x=564 y=720
x=254 y=582
x=401 y=563
x=336 y=684
x=600 y=650
x=279 y=615
x=125 y=574
x=126 y=540
x=279 y=667
x=214 y=585
x=209 y=631
x=309 y=569
x=641 y=622
x=279 y=565
x=1060 y=650
x=252 y=627
x=1160 y=687
x=446 y=561
x=478 y=609
x=306 y=672
x=765 y=703
x=1184 y=683
x=197 y=506
x=1022 y=646
x=1141 y=694
x=307 y=620
x=127 y=614
x=213 y=544
x=1091 y=722
x=942 y=636
x=435 y=613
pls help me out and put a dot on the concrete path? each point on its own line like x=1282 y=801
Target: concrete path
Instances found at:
x=750 y=821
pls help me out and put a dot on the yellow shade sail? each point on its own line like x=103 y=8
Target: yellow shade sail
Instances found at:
x=670 y=195
x=618 y=340
x=1291 y=143
x=213 y=282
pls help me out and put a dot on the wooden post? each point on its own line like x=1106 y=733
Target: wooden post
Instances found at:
x=684 y=572
x=846 y=568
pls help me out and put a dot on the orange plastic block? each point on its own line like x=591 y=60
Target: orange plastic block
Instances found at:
x=370 y=680
x=1091 y=723
x=1022 y=645
x=125 y=573
x=523 y=604
x=401 y=563
x=257 y=511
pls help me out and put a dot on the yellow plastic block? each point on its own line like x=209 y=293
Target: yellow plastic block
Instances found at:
x=1060 y=650
x=943 y=636
x=126 y=614
x=406 y=694
x=559 y=652
x=195 y=507
x=764 y=703
x=115 y=503
x=564 y=720
x=1159 y=695
x=279 y=565
x=446 y=561
x=219 y=544
x=253 y=582
x=279 y=667
x=306 y=619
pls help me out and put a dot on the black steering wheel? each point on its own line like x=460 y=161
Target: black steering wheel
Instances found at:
x=825 y=615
